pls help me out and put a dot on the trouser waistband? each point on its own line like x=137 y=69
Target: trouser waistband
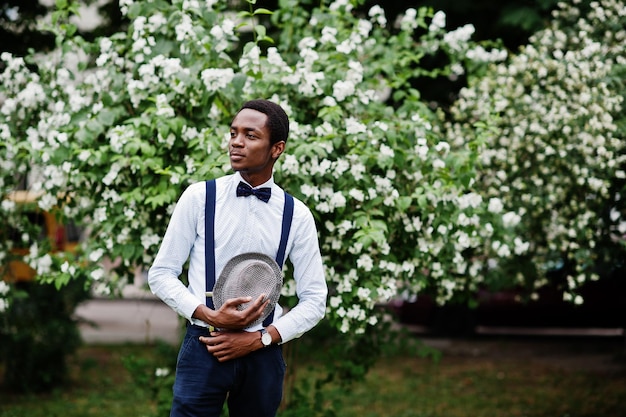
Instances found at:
x=196 y=330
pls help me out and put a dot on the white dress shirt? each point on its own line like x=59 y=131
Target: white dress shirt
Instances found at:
x=242 y=224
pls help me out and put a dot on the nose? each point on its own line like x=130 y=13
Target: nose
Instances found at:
x=236 y=139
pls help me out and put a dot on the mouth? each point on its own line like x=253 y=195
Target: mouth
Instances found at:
x=236 y=156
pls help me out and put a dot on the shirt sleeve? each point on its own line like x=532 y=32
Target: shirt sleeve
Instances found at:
x=163 y=275
x=311 y=288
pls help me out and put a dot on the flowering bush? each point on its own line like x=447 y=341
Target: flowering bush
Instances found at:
x=559 y=160
x=119 y=127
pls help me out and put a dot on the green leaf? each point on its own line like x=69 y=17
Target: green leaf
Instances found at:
x=260 y=31
x=403 y=203
x=262 y=10
x=107 y=116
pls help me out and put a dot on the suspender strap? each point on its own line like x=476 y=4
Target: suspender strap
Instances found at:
x=286 y=228
x=209 y=240
x=284 y=235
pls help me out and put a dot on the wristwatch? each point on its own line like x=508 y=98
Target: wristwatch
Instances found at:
x=266 y=338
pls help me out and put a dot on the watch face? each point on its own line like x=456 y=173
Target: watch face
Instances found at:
x=266 y=339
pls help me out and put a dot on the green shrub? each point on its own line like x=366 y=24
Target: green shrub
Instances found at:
x=558 y=159
x=122 y=125
x=38 y=333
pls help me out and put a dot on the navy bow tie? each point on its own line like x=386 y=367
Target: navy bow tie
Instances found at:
x=263 y=194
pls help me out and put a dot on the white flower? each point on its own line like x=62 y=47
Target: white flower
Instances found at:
x=276 y=60
x=364 y=27
x=335 y=301
x=346 y=47
x=251 y=59
x=343 y=227
x=328 y=35
x=46 y=202
x=439 y=164
x=290 y=164
x=364 y=294
x=377 y=13
x=353 y=126
x=365 y=262
x=310 y=191
x=337 y=200
x=97 y=274
x=495 y=205
x=345 y=326
x=4 y=305
x=100 y=214
x=469 y=200
x=386 y=151
x=511 y=219
x=356 y=194
x=504 y=251
x=338 y=4
x=521 y=247
x=43 y=265
x=329 y=101
x=184 y=29
x=343 y=89
x=308 y=82
x=112 y=174
x=443 y=147
x=341 y=166
x=7 y=205
x=163 y=107
x=4 y=288
x=482 y=55
x=96 y=255
x=125 y=5
x=217 y=78
x=438 y=22
x=458 y=38
x=307 y=43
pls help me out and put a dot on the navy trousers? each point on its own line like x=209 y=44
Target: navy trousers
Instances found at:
x=252 y=385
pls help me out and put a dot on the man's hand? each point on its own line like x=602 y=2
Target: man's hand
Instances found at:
x=227 y=345
x=229 y=317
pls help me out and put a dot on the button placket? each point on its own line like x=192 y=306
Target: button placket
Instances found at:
x=250 y=223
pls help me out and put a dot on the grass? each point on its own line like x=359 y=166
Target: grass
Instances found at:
x=408 y=387
x=500 y=383
x=100 y=386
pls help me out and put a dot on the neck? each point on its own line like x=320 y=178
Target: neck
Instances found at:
x=254 y=179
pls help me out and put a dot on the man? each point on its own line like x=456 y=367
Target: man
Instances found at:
x=222 y=358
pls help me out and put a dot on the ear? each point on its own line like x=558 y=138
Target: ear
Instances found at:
x=277 y=149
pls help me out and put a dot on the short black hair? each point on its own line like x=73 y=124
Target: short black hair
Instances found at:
x=277 y=119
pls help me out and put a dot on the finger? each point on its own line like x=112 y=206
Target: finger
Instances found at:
x=238 y=300
x=255 y=310
x=264 y=302
x=259 y=303
x=208 y=341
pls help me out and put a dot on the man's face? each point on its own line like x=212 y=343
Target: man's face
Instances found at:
x=249 y=147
